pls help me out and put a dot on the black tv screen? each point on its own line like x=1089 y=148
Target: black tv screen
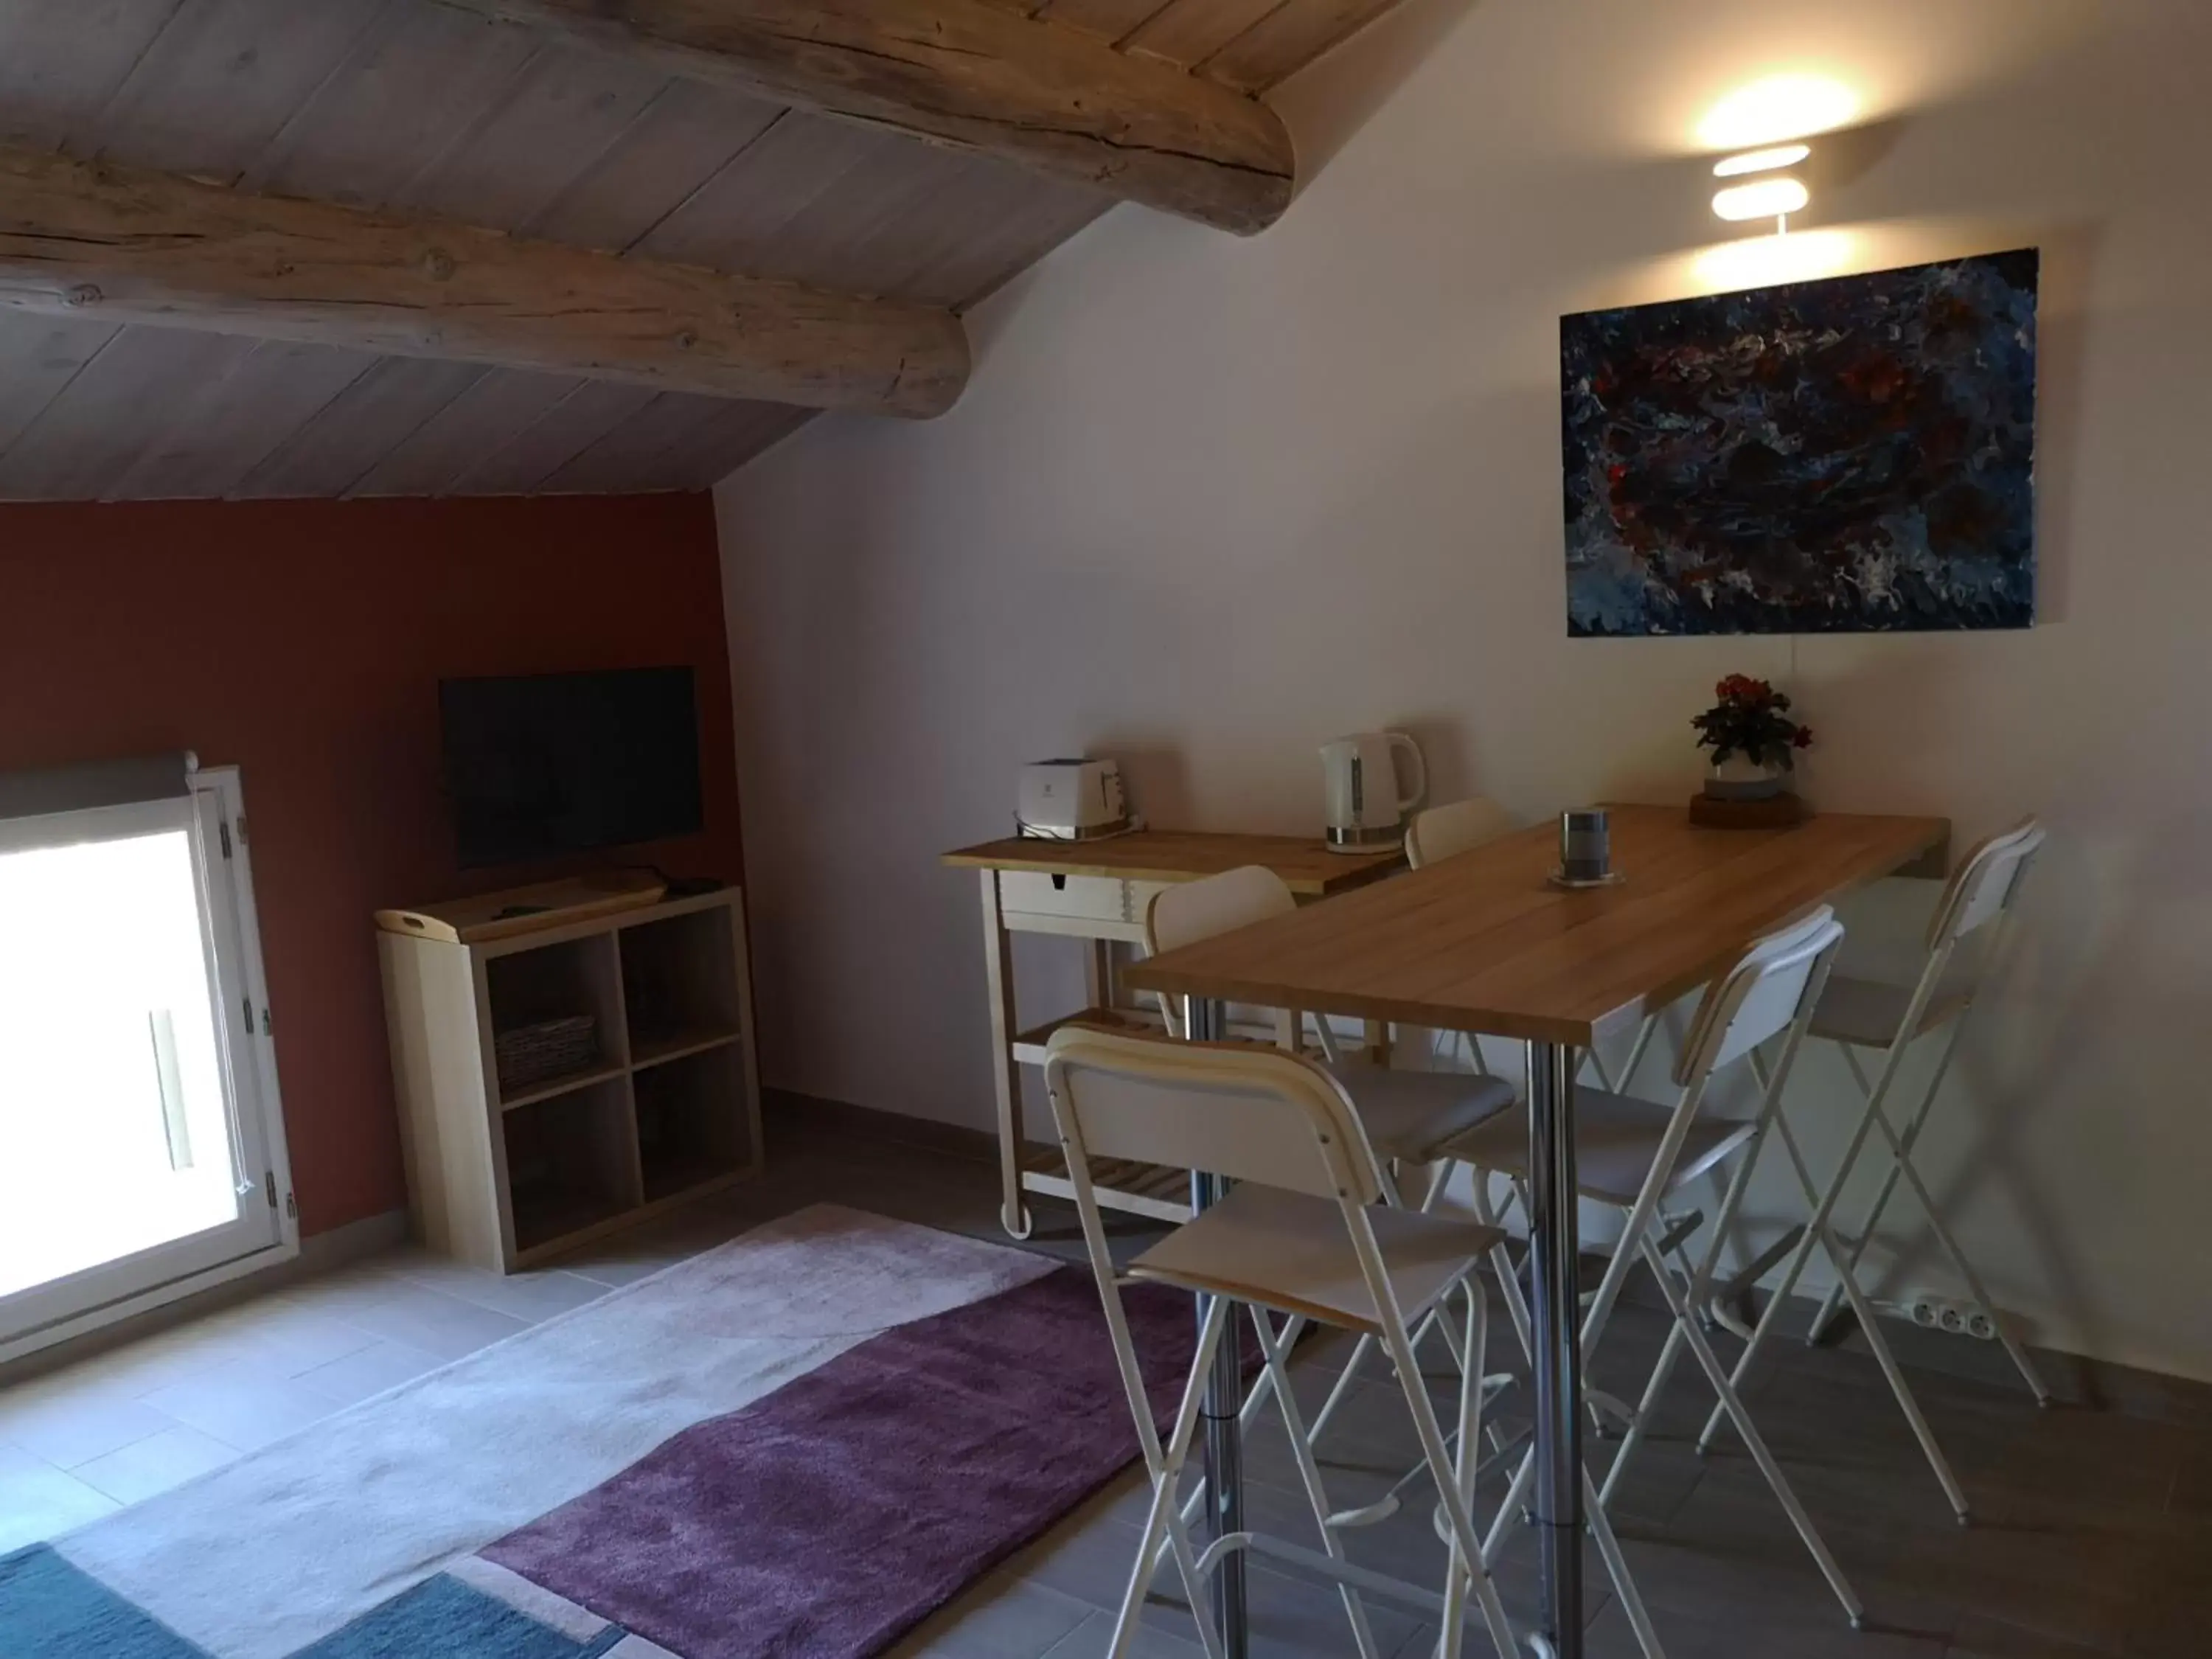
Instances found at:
x=562 y=762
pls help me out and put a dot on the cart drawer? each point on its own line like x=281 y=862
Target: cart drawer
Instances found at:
x=1096 y=898
x=1086 y=898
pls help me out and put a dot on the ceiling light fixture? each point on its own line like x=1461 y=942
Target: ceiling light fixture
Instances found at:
x=1761 y=160
x=1762 y=198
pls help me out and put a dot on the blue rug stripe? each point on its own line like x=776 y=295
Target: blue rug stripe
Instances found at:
x=452 y=1621
x=50 y=1610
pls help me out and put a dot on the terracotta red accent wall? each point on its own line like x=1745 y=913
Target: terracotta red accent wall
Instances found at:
x=303 y=641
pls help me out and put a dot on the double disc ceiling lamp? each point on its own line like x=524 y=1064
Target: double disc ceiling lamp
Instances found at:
x=1759 y=129
x=1769 y=190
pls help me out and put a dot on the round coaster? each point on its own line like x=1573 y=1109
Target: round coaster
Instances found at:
x=1560 y=879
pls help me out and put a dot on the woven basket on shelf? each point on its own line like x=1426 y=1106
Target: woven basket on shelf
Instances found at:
x=546 y=1049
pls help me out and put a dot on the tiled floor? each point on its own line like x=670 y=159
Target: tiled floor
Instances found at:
x=2091 y=1539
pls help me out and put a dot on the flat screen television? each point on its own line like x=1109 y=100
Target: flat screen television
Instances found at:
x=550 y=763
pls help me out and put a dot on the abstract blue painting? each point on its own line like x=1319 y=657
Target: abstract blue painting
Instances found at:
x=1854 y=454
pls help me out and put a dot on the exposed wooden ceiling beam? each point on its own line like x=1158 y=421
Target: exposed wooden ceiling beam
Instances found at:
x=972 y=75
x=91 y=240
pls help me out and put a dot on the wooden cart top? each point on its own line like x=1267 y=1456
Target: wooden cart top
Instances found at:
x=1303 y=862
x=1482 y=942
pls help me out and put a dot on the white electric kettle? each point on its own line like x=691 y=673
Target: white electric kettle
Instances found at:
x=1366 y=808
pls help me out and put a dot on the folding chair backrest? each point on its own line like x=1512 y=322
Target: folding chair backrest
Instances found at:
x=1243 y=1110
x=1761 y=995
x=1442 y=831
x=1986 y=883
x=1193 y=910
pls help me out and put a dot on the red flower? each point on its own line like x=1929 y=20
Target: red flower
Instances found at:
x=1750 y=718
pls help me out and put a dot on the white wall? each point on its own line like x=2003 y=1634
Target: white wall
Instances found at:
x=1209 y=502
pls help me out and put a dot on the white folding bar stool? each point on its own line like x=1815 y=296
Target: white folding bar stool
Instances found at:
x=1630 y=1153
x=1301 y=1237
x=1408 y=1116
x=1858 y=1014
x=1304 y=1235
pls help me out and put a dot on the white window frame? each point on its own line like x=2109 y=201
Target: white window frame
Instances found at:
x=219 y=805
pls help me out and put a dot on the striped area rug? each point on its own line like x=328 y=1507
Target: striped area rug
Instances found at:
x=799 y=1444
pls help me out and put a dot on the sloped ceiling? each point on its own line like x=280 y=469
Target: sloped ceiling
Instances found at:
x=414 y=105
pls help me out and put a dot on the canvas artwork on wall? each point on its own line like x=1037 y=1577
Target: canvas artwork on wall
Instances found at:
x=1853 y=454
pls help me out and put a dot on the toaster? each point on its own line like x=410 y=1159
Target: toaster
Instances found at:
x=1072 y=799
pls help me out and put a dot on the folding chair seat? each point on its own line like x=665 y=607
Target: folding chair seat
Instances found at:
x=1618 y=1141
x=1866 y=1013
x=1291 y=1252
x=1410 y=1115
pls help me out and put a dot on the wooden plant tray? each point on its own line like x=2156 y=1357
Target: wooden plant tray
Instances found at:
x=1782 y=811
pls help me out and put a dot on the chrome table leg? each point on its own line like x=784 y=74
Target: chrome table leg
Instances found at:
x=1225 y=1399
x=1556 y=1310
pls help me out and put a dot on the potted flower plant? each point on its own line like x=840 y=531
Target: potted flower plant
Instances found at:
x=1752 y=739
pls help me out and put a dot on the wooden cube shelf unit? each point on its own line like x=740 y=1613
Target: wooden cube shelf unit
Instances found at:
x=667 y=1109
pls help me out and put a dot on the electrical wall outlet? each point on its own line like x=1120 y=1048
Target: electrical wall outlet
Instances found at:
x=1943 y=1313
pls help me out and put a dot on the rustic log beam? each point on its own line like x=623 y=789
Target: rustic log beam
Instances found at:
x=970 y=75
x=94 y=240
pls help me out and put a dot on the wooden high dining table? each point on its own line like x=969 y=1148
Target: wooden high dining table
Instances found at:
x=1483 y=943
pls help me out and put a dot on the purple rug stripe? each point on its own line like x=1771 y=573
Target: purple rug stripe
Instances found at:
x=825 y=1520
